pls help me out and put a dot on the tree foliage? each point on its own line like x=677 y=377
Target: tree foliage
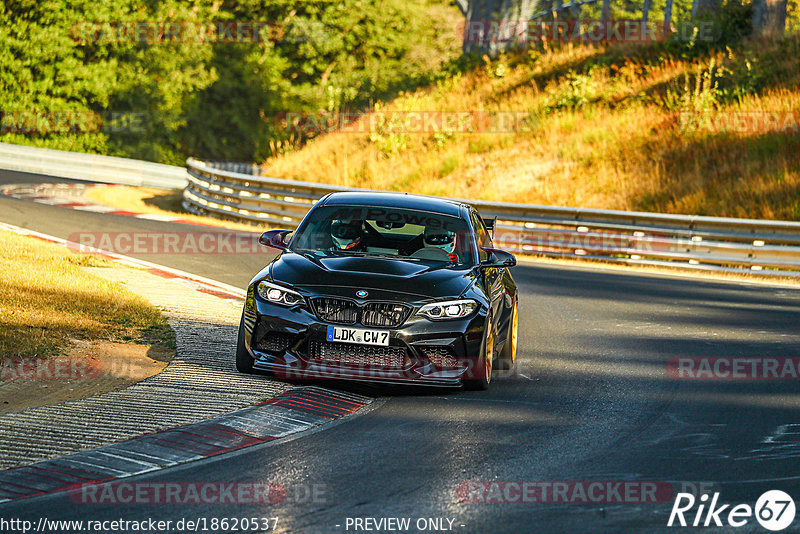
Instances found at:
x=165 y=100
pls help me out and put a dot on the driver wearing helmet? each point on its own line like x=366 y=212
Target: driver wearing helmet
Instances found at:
x=441 y=239
x=347 y=235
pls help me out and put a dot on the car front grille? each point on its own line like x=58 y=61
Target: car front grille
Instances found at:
x=343 y=311
x=337 y=310
x=384 y=314
x=440 y=356
x=354 y=354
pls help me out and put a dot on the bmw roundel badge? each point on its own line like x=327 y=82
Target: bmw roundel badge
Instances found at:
x=361 y=293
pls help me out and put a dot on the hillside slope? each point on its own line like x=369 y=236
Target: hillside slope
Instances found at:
x=659 y=127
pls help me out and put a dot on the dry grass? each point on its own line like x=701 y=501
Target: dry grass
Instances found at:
x=157 y=202
x=46 y=299
x=606 y=132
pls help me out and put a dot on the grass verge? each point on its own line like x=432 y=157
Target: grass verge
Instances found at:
x=658 y=127
x=47 y=298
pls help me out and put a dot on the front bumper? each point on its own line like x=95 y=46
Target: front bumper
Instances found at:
x=291 y=343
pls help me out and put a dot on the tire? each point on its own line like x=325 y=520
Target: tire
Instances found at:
x=485 y=361
x=244 y=362
x=508 y=356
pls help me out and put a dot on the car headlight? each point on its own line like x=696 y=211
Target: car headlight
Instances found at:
x=278 y=294
x=449 y=309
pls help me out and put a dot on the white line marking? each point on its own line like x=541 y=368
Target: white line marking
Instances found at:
x=156 y=217
x=96 y=208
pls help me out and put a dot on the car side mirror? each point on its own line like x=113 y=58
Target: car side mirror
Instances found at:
x=274 y=238
x=499 y=258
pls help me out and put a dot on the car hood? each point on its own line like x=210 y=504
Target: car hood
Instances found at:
x=386 y=274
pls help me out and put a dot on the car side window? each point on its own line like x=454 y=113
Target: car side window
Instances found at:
x=484 y=241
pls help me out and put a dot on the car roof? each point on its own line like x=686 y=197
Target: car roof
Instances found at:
x=396 y=200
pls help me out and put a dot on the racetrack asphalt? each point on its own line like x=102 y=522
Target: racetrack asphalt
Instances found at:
x=592 y=400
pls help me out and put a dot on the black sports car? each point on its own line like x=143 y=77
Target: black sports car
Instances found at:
x=383 y=287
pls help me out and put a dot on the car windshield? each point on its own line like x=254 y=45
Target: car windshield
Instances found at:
x=386 y=232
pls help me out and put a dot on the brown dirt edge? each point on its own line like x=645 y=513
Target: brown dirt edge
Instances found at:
x=86 y=368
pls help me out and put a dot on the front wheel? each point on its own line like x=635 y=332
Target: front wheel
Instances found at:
x=483 y=370
x=508 y=356
x=244 y=362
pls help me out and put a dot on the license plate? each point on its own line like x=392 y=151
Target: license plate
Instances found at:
x=358 y=335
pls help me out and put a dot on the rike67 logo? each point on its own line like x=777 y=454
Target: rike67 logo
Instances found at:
x=774 y=511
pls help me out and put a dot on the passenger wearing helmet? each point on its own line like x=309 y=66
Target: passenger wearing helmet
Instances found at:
x=441 y=239
x=347 y=235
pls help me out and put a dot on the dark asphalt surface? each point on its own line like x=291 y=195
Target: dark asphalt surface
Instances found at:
x=591 y=401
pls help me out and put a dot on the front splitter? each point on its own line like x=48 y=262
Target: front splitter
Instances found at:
x=322 y=372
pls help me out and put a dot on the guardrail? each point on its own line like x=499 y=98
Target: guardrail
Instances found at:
x=237 y=192
x=91 y=167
